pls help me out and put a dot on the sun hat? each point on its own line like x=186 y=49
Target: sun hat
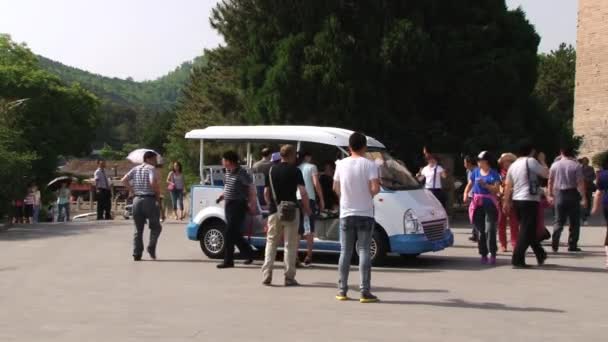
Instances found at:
x=484 y=155
x=507 y=157
x=276 y=157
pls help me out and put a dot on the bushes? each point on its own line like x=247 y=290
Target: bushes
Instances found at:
x=599 y=159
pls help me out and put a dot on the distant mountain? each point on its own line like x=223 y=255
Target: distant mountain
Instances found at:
x=159 y=94
x=131 y=112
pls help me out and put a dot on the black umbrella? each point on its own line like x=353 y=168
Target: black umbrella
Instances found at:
x=56 y=183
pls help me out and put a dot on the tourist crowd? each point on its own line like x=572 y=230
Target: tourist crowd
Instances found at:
x=513 y=190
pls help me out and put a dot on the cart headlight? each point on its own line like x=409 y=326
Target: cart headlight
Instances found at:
x=411 y=225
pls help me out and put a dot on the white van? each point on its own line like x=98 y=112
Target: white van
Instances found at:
x=409 y=219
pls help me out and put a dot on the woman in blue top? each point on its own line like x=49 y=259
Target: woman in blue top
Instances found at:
x=601 y=199
x=483 y=210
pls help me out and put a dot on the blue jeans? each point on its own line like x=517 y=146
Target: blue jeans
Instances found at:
x=485 y=219
x=360 y=229
x=60 y=212
x=35 y=217
x=177 y=198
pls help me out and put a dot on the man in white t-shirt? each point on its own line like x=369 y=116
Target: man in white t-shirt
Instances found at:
x=356 y=182
x=432 y=175
x=522 y=193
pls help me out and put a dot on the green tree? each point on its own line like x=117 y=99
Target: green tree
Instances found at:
x=130 y=112
x=555 y=88
x=16 y=161
x=211 y=97
x=54 y=119
x=433 y=72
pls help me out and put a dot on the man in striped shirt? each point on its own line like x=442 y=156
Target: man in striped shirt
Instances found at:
x=143 y=183
x=240 y=196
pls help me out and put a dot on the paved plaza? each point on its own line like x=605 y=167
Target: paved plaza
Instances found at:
x=77 y=282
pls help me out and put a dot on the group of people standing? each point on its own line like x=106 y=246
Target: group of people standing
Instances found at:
x=293 y=193
x=27 y=209
x=519 y=192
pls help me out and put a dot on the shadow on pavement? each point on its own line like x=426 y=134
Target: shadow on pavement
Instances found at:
x=375 y=288
x=45 y=231
x=459 y=303
x=552 y=267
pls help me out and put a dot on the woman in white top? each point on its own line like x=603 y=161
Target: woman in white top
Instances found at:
x=432 y=175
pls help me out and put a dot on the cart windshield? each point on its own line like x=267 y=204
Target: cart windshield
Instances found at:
x=393 y=174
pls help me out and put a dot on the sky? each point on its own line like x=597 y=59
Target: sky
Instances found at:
x=146 y=39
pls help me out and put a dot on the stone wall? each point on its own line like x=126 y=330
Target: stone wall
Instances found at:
x=591 y=94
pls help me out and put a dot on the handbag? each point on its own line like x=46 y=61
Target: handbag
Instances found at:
x=285 y=209
x=533 y=183
x=171 y=185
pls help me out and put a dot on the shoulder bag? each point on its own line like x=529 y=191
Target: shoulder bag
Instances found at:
x=285 y=209
x=533 y=185
x=171 y=185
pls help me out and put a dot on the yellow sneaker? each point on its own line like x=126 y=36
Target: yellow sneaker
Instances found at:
x=368 y=298
x=341 y=296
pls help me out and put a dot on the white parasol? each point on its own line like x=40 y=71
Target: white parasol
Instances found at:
x=55 y=183
x=137 y=156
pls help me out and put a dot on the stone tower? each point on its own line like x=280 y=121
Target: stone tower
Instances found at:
x=591 y=94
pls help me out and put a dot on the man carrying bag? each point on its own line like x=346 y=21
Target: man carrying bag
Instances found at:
x=282 y=183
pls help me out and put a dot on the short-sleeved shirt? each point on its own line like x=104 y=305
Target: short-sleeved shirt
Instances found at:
x=286 y=179
x=101 y=180
x=262 y=166
x=236 y=185
x=432 y=176
x=493 y=177
x=518 y=176
x=308 y=171
x=566 y=174
x=142 y=177
x=589 y=173
x=63 y=196
x=354 y=175
x=178 y=180
x=469 y=172
x=602 y=185
x=329 y=196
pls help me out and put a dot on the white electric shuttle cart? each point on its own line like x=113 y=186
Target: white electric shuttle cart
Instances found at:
x=409 y=219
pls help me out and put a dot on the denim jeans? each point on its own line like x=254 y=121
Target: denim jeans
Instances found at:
x=63 y=212
x=360 y=229
x=485 y=218
x=177 y=199
x=567 y=208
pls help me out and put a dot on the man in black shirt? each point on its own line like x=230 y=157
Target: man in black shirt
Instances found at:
x=240 y=195
x=327 y=184
x=284 y=180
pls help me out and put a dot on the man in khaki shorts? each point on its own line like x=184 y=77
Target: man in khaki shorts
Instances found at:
x=282 y=183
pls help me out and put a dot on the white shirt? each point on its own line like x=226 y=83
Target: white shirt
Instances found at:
x=354 y=175
x=308 y=171
x=101 y=180
x=429 y=172
x=518 y=176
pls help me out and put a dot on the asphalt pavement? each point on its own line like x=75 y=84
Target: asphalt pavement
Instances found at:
x=78 y=282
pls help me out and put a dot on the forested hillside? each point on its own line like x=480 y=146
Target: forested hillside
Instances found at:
x=130 y=112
